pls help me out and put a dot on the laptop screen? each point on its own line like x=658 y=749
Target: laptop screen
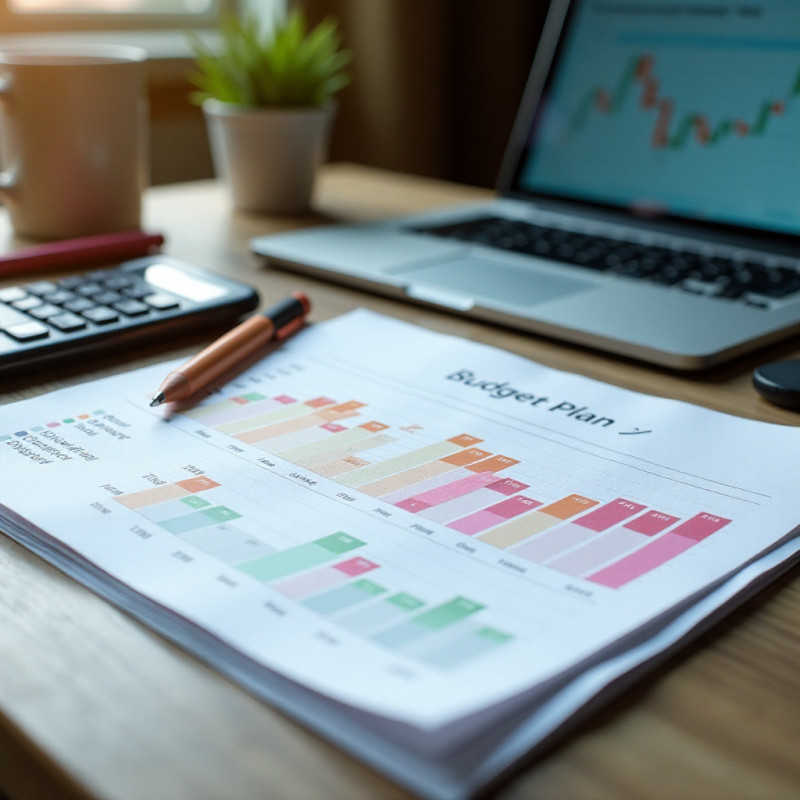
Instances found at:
x=687 y=108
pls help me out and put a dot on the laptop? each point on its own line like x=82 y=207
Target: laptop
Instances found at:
x=649 y=199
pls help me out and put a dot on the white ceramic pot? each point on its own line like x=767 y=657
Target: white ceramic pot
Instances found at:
x=269 y=157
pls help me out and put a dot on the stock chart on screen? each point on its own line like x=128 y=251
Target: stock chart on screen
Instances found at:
x=675 y=107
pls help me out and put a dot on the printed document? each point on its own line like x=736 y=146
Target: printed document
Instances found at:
x=430 y=550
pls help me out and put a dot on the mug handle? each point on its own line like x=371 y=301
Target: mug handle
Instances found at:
x=8 y=181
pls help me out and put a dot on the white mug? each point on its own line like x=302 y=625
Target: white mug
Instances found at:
x=73 y=138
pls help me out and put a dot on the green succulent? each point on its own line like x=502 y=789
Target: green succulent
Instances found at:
x=288 y=65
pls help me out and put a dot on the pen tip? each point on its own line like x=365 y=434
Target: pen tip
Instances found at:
x=157 y=400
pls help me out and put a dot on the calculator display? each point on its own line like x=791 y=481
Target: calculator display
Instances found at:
x=178 y=281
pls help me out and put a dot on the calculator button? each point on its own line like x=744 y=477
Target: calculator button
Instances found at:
x=161 y=302
x=131 y=308
x=71 y=282
x=41 y=287
x=102 y=274
x=27 y=303
x=107 y=298
x=28 y=331
x=67 y=322
x=138 y=291
x=10 y=316
x=12 y=293
x=79 y=304
x=119 y=281
x=59 y=297
x=88 y=289
x=101 y=315
x=45 y=311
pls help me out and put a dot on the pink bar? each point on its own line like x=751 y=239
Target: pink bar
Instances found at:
x=323 y=578
x=355 y=566
x=600 y=551
x=658 y=552
x=699 y=527
x=651 y=523
x=240 y=400
x=508 y=486
x=609 y=514
x=514 y=506
x=447 y=492
x=333 y=427
x=475 y=523
x=285 y=399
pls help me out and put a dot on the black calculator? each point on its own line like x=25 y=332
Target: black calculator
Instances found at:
x=155 y=296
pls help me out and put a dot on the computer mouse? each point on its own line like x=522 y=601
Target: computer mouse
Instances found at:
x=779 y=383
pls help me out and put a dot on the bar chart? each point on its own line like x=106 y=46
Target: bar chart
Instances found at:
x=329 y=575
x=462 y=483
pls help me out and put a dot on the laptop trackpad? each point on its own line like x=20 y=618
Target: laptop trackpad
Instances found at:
x=478 y=278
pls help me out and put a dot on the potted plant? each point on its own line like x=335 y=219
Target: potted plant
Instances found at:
x=267 y=97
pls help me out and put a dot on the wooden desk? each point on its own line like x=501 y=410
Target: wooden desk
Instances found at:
x=93 y=704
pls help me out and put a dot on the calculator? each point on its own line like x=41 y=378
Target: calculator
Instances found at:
x=106 y=309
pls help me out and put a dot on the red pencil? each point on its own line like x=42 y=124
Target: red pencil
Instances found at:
x=82 y=252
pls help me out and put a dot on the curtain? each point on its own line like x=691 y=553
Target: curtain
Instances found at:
x=435 y=83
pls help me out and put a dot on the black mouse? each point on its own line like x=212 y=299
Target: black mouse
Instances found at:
x=779 y=383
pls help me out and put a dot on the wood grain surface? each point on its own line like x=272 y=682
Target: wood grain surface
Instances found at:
x=92 y=704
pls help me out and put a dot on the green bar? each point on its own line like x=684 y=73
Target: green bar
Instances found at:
x=405 y=601
x=624 y=85
x=339 y=543
x=579 y=118
x=253 y=397
x=330 y=442
x=193 y=501
x=198 y=519
x=221 y=514
x=344 y=597
x=369 y=587
x=494 y=635
x=452 y=654
x=383 y=469
x=68 y=420
x=446 y=614
x=301 y=557
x=763 y=117
x=796 y=84
x=267 y=418
x=683 y=132
x=722 y=130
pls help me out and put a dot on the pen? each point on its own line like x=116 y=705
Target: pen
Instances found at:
x=101 y=248
x=234 y=347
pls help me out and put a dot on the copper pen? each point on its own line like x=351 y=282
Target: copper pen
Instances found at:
x=234 y=347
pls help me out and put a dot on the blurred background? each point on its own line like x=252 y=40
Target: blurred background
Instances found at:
x=435 y=83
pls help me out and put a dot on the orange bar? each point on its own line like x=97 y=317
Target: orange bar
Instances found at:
x=318 y=402
x=334 y=468
x=373 y=427
x=568 y=506
x=493 y=464
x=198 y=484
x=465 y=440
x=464 y=457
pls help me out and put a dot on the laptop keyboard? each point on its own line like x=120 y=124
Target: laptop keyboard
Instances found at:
x=754 y=282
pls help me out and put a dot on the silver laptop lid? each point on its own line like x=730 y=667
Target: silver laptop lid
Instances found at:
x=668 y=111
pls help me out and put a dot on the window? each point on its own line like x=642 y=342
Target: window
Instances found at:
x=17 y=16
